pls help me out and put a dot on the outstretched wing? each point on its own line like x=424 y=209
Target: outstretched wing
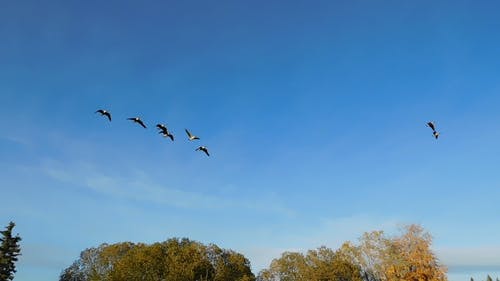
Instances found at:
x=108 y=115
x=141 y=123
x=431 y=125
x=188 y=133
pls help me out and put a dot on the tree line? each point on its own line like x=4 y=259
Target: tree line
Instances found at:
x=375 y=257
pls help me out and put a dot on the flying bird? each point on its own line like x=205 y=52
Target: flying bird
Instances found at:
x=204 y=149
x=138 y=121
x=104 y=113
x=431 y=125
x=190 y=136
x=161 y=127
x=164 y=131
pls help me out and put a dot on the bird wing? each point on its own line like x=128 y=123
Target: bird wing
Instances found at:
x=100 y=111
x=206 y=152
x=131 y=118
x=171 y=137
x=188 y=133
x=141 y=123
x=108 y=114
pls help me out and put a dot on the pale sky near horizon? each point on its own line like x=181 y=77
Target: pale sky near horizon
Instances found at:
x=314 y=113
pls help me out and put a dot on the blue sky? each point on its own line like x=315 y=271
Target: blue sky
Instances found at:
x=314 y=113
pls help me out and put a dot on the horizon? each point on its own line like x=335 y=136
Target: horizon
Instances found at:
x=314 y=114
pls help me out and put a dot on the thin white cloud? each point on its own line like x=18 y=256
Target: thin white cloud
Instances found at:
x=17 y=139
x=138 y=186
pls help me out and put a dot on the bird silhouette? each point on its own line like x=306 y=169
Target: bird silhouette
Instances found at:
x=204 y=149
x=431 y=125
x=164 y=131
x=190 y=136
x=104 y=113
x=161 y=127
x=138 y=121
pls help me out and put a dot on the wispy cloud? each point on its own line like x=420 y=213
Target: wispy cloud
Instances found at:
x=139 y=186
x=17 y=139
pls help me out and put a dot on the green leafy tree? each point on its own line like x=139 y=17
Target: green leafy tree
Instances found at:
x=9 y=251
x=290 y=266
x=95 y=263
x=322 y=264
x=172 y=260
x=228 y=264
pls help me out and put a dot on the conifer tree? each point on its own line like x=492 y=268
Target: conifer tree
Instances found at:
x=9 y=251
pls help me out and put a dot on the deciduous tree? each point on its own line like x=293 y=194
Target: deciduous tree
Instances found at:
x=322 y=264
x=172 y=260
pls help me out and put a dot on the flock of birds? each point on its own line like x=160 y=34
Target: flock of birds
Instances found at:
x=164 y=130
x=161 y=127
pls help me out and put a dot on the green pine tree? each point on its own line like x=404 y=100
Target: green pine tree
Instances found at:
x=9 y=251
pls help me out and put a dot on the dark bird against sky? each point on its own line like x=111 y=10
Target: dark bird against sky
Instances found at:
x=164 y=131
x=104 y=113
x=161 y=127
x=138 y=121
x=433 y=127
x=204 y=149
